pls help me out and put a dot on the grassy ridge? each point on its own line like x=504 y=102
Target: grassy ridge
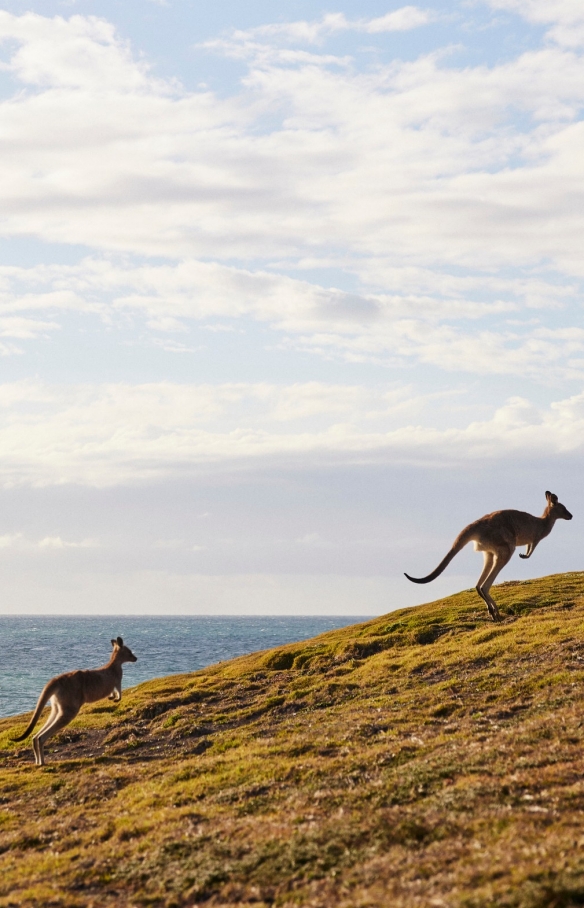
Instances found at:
x=426 y=758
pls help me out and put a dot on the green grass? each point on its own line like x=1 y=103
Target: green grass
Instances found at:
x=425 y=758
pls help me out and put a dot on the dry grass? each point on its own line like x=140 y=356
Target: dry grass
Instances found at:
x=427 y=758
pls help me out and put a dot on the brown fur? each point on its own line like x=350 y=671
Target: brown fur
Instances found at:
x=497 y=535
x=70 y=691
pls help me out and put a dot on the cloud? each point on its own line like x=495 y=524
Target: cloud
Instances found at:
x=21 y=542
x=24 y=328
x=79 y=52
x=10 y=350
x=9 y=539
x=257 y=40
x=400 y=20
x=446 y=197
x=55 y=542
x=465 y=324
x=417 y=161
x=458 y=323
x=109 y=434
x=566 y=17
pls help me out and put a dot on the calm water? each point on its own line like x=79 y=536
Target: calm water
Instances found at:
x=35 y=648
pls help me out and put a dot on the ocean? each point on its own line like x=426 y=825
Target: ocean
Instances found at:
x=35 y=648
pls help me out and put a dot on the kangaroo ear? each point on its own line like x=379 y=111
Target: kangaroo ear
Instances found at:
x=113 y=642
x=551 y=497
x=119 y=641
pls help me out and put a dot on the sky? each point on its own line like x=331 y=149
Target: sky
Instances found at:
x=289 y=294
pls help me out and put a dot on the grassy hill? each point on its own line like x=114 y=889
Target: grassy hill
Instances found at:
x=426 y=758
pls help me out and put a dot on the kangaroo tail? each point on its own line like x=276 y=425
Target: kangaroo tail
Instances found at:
x=42 y=702
x=459 y=543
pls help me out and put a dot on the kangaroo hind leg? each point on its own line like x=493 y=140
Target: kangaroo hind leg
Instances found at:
x=489 y=560
x=52 y=716
x=57 y=720
x=500 y=559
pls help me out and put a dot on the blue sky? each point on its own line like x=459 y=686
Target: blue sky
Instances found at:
x=289 y=293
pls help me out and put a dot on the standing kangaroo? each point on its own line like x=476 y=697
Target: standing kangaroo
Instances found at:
x=70 y=691
x=497 y=535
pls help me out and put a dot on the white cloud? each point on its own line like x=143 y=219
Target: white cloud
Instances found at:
x=10 y=350
x=23 y=543
x=417 y=161
x=400 y=20
x=449 y=195
x=79 y=52
x=566 y=17
x=9 y=539
x=257 y=40
x=110 y=434
x=427 y=317
x=24 y=328
x=55 y=542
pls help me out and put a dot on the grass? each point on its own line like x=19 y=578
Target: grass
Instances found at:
x=425 y=758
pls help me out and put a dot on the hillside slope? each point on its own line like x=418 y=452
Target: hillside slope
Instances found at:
x=426 y=758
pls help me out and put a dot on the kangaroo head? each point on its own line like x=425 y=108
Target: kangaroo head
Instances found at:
x=555 y=507
x=123 y=652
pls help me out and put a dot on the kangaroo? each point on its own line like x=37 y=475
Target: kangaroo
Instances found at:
x=497 y=535
x=70 y=691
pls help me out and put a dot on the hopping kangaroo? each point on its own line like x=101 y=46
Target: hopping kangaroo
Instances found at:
x=70 y=691
x=497 y=535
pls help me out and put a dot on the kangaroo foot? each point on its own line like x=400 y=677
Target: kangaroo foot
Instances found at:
x=494 y=611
